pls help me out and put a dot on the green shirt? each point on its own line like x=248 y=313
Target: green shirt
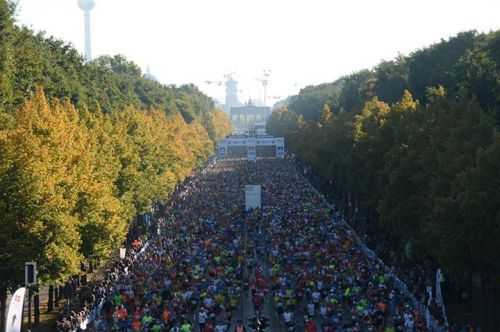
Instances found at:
x=117 y=299
x=186 y=327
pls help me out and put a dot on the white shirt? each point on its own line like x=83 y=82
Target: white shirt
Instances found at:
x=310 y=309
x=83 y=324
x=220 y=328
x=187 y=295
x=202 y=317
x=409 y=323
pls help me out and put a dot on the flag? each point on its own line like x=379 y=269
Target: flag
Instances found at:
x=15 y=313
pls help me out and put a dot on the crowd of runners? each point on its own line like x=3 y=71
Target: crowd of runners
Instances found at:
x=212 y=266
x=320 y=278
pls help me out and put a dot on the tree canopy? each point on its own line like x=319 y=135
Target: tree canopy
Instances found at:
x=84 y=149
x=423 y=170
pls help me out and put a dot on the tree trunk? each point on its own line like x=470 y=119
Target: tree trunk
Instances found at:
x=57 y=296
x=50 y=303
x=495 y=302
x=477 y=295
x=37 y=306
x=3 y=306
x=490 y=319
x=29 y=306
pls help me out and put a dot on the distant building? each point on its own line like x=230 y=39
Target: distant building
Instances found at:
x=149 y=76
x=231 y=94
x=250 y=118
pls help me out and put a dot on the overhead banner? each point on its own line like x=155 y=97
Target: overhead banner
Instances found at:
x=252 y=197
x=251 y=143
x=15 y=313
x=265 y=141
x=258 y=141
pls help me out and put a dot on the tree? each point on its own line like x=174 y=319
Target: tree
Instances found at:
x=326 y=115
x=391 y=79
x=422 y=171
x=42 y=160
x=6 y=54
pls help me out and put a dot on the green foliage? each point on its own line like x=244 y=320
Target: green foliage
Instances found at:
x=478 y=216
x=72 y=180
x=436 y=65
x=84 y=148
x=106 y=84
x=6 y=54
x=311 y=99
x=426 y=170
x=392 y=79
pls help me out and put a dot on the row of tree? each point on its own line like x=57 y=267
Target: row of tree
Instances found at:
x=466 y=65
x=84 y=149
x=424 y=172
x=29 y=60
x=71 y=180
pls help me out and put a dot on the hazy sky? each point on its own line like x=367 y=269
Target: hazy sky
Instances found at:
x=303 y=41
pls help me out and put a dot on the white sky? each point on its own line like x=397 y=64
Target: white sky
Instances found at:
x=303 y=41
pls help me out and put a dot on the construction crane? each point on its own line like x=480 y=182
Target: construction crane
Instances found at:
x=231 y=87
x=218 y=83
x=264 y=80
x=227 y=77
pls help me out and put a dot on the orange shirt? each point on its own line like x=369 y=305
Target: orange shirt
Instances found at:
x=136 y=325
x=166 y=315
x=382 y=306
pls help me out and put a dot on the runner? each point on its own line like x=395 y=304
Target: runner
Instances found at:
x=300 y=265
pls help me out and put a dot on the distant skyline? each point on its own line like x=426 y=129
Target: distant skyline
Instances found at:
x=303 y=42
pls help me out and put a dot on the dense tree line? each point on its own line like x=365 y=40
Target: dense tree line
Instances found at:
x=71 y=180
x=411 y=149
x=29 y=60
x=84 y=149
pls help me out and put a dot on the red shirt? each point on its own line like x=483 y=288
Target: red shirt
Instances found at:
x=310 y=326
x=208 y=328
x=136 y=325
x=122 y=313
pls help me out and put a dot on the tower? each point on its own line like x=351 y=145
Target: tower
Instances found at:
x=264 y=80
x=87 y=6
x=231 y=91
x=231 y=94
x=148 y=75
